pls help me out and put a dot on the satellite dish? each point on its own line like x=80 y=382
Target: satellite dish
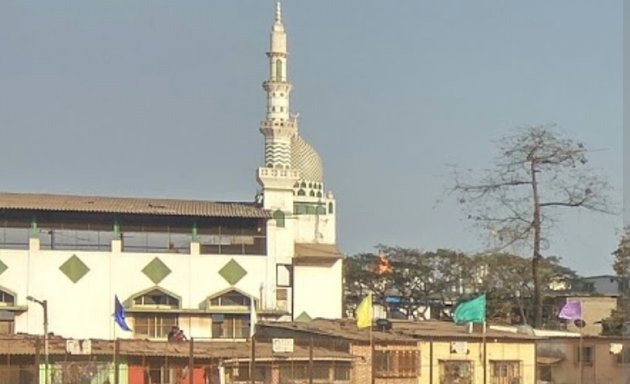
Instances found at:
x=579 y=323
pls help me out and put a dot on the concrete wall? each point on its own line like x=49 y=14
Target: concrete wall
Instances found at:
x=594 y=309
x=317 y=289
x=604 y=369
x=84 y=309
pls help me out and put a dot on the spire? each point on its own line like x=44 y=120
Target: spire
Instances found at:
x=278 y=127
x=277 y=26
x=278 y=12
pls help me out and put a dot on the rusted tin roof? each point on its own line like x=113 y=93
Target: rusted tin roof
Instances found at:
x=401 y=331
x=22 y=344
x=315 y=253
x=129 y=205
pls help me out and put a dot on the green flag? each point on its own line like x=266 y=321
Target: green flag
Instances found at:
x=473 y=311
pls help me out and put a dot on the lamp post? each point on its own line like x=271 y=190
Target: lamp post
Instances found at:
x=44 y=304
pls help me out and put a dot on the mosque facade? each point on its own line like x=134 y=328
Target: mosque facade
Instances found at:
x=209 y=268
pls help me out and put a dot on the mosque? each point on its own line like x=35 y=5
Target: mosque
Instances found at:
x=206 y=267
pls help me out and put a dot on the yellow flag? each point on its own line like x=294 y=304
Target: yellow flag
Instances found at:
x=364 y=312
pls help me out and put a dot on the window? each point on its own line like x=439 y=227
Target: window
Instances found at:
x=342 y=372
x=299 y=372
x=154 y=325
x=249 y=240
x=506 y=372
x=231 y=298
x=228 y=326
x=14 y=234
x=397 y=363
x=279 y=70
x=6 y=298
x=624 y=356
x=586 y=356
x=156 y=299
x=164 y=239
x=544 y=373
x=278 y=216
x=309 y=208
x=284 y=275
x=75 y=236
x=456 y=371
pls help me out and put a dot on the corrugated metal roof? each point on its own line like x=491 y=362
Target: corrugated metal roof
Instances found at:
x=402 y=330
x=129 y=205
x=27 y=345
x=328 y=251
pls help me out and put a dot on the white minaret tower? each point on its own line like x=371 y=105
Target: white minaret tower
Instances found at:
x=301 y=246
x=278 y=127
x=276 y=176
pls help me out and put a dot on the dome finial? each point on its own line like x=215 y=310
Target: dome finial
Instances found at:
x=278 y=12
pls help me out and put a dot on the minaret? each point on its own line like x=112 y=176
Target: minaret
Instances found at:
x=279 y=127
x=302 y=213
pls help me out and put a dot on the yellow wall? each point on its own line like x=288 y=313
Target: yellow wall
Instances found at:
x=496 y=350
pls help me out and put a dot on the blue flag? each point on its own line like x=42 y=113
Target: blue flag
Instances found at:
x=119 y=315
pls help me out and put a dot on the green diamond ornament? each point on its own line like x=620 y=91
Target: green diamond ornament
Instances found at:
x=156 y=270
x=303 y=318
x=3 y=267
x=232 y=272
x=74 y=269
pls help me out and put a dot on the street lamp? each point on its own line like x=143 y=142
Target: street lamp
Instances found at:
x=44 y=304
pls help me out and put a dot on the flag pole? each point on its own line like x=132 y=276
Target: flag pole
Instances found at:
x=581 y=357
x=485 y=356
x=372 y=368
x=116 y=346
x=372 y=354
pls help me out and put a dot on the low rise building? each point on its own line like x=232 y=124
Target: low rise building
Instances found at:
x=425 y=352
x=573 y=359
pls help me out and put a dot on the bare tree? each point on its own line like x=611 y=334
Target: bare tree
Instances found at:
x=537 y=169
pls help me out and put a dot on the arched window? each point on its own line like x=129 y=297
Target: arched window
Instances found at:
x=278 y=216
x=330 y=208
x=7 y=298
x=225 y=323
x=279 y=70
x=156 y=298
x=154 y=318
x=230 y=298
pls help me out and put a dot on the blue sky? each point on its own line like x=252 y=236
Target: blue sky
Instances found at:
x=163 y=98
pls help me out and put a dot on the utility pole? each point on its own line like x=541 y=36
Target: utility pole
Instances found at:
x=44 y=304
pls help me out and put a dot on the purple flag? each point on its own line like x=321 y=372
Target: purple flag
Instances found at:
x=572 y=310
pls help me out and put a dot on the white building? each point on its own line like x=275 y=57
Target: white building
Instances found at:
x=195 y=264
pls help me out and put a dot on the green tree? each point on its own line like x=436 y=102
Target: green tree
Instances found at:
x=507 y=281
x=613 y=325
x=421 y=278
x=360 y=278
x=537 y=170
